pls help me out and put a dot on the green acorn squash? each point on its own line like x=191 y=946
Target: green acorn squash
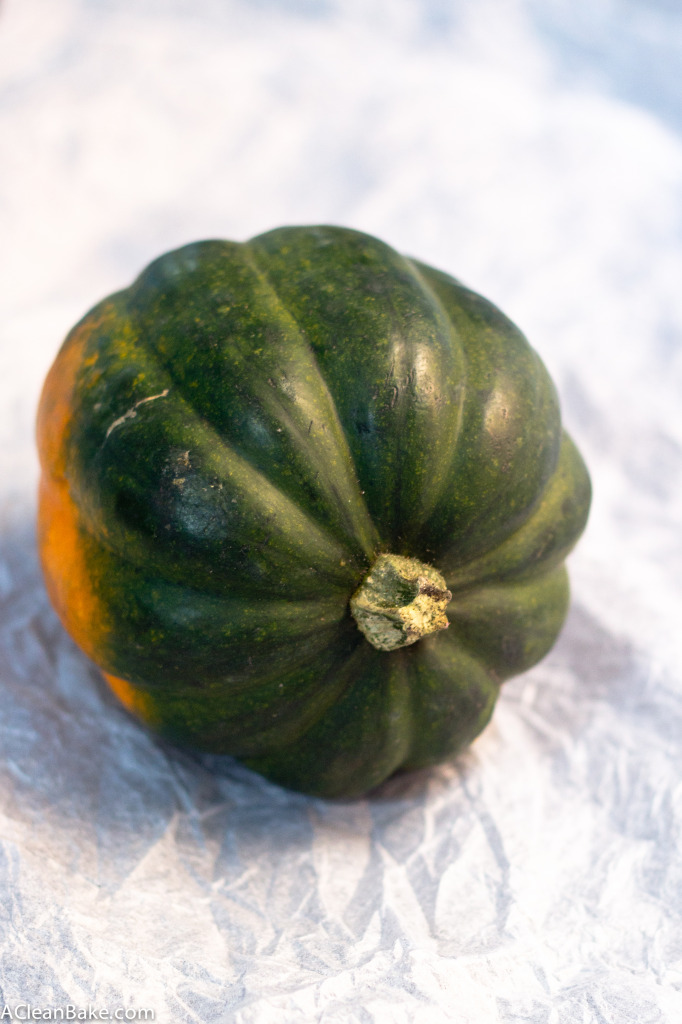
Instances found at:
x=274 y=472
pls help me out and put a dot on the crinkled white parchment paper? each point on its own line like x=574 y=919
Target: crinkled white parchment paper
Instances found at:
x=532 y=149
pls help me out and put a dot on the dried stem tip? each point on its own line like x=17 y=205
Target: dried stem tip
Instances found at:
x=400 y=601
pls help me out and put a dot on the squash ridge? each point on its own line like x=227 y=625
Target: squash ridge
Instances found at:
x=367 y=535
x=478 y=315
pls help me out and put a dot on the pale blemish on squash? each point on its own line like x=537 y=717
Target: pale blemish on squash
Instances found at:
x=132 y=412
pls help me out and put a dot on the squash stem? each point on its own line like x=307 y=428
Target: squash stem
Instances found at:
x=399 y=601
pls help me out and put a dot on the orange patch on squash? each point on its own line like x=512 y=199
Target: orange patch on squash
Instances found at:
x=61 y=541
x=133 y=700
x=56 y=402
x=68 y=575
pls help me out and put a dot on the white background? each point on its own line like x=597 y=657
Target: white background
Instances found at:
x=532 y=149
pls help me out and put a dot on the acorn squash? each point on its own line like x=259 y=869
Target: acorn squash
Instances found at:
x=273 y=473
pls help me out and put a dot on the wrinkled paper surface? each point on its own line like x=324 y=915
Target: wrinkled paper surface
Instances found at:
x=534 y=151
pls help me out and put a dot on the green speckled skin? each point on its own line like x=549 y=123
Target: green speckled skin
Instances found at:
x=252 y=424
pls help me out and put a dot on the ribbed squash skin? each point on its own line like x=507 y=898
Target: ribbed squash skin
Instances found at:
x=226 y=447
